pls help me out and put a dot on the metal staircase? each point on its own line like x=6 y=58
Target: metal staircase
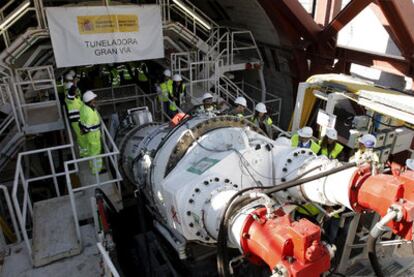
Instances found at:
x=214 y=50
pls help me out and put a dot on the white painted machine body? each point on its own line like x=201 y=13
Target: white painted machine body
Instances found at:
x=191 y=192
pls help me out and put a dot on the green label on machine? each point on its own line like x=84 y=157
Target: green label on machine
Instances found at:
x=202 y=165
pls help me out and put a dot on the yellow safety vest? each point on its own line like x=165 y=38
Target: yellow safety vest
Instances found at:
x=142 y=77
x=314 y=146
x=334 y=153
x=166 y=90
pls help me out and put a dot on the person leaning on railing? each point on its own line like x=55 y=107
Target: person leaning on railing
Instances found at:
x=73 y=105
x=240 y=107
x=262 y=120
x=90 y=124
x=330 y=147
x=303 y=139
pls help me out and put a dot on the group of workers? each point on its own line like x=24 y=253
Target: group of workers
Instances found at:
x=85 y=121
x=172 y=92
x=329 y=146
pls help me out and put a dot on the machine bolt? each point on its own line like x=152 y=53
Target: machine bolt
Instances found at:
x=295 y=154
x=290 y=259
x=206 y=183
x=191 y=225
x=198 y=234
x=289 y=160
x=235 y=186
x=207 y=238
x=216 y=179
x=191 y=201
x=246 y=236
x=188 y=213
x=284 y=169
x=226 y=180
x=302 y=151
x=283 y=180
x=197 y=190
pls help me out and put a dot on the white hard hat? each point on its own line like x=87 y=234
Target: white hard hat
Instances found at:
x=283 y=141
x=368 y=140
x=332 y=133
x=177 y=78
x=410 y=164
x=68 y=85
x=261 y=108
x=72 y=72
x=305 y=132
x=167 y=73
x=207 y=95
x=69 y=77
x=89 y=96
x=241 y=101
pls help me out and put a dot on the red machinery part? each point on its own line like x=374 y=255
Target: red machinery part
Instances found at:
x=279 y=241
x=379 y=192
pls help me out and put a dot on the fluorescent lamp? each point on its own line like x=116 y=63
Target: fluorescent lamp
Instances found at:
x=14 y=15
x=192 y=14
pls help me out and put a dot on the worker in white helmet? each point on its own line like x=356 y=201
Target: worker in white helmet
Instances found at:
x=90 y=124
x=166 y=88
x=240 y=107
x=207 y=107
x=303 y=139
x=365 y=152
x=177 y=93
x=330 y=147
x=262 y=120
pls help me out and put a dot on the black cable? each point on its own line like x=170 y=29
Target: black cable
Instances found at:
x=372 y=255
x=222 y=255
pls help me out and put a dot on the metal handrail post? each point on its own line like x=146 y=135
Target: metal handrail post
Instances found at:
x=72 y=203
x=52 y=168
x=11 y=212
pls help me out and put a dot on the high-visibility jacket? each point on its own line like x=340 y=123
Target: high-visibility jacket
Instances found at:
x=235 y=113
x=334 y=152
x=115 y=78
x=123 y=70
x=142 y=72
x=313 y=145
x=90 y=122
x=265 y=124
x=166 y=90
x=73 y=105
x=176 y=92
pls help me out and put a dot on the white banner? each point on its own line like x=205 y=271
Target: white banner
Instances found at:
x=100 y=35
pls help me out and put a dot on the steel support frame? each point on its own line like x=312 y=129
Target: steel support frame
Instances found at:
x=314 y=48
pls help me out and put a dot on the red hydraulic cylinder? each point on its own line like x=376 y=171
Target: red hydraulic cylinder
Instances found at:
x=380 y=192
x=283 y=244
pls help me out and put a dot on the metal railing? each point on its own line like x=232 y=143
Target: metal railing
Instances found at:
x=109 y=269
x=192 y=17
x=36 y=90
x=112 y=96
x=110 y=154
x=12 y=216
x=24 y=210
x=7 y=98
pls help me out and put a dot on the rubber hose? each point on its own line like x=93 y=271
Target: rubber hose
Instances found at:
x=372 y=255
